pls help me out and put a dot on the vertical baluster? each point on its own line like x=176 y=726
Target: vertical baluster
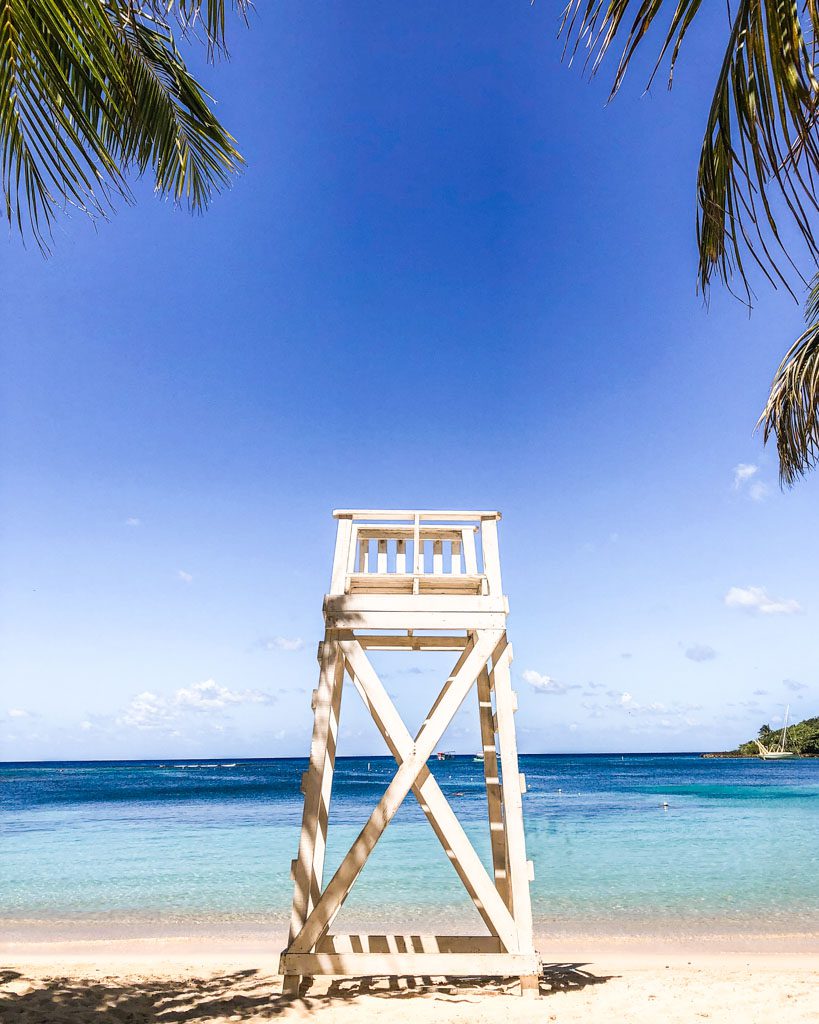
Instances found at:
x=438 y=557
x=401 y=556
x=382 y=556
x=455 y=567
x=470 y=557
x=417 y=553
x=363 y=554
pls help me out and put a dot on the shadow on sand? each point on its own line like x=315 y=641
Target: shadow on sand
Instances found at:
x=238 y=996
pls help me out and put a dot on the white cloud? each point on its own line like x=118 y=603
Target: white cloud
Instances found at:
x=541 y=683
x=209 y=696
x=757 y=599
x=623 y=703
x=758 y=491
x=133 y=521
x=745 y=480
x=743 y=473
x=149 y=710
x=700 y=652
x=283 y=643
x=792 y=684
x=184 y=576
x=18 y=713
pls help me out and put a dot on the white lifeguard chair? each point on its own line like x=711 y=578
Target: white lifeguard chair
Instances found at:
x=416 y=581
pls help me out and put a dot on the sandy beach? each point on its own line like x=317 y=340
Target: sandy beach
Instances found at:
x=154 y=981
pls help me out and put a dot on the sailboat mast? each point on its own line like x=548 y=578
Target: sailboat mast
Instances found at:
x=785 y=727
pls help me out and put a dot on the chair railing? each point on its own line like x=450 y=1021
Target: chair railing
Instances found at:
x=416 y=552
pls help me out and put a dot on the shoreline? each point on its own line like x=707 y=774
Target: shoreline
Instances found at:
x=553 y=946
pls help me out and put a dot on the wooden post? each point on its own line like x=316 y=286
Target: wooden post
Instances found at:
x=397 y=609
x=317 y=785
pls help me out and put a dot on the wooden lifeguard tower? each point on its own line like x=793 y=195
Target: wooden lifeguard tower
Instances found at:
x=416 y=581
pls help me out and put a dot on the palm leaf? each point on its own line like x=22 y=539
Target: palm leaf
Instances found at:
x=761 y=131
x=94 y=90
x=58 y=63
x=172 y=129
x=792 y=410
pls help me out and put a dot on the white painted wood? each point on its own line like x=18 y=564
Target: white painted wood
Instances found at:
x=378 y=515
x=469 y=965
x=341 y=556
x=512 y=802
x=491 y=556
x=394 y=583
x=360 y=943
x=451 y=698
x=416 y=606
x=308 y=866
x=444 y=821
x=438 y=557
x=416 y=642
x=422 y=620
x=470 y=555
x=382 y=556
x=351 y=563
x=405 y=531
x=409 y=603
x=494 y=798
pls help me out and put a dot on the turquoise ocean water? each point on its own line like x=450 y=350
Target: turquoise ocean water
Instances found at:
x=143 y=845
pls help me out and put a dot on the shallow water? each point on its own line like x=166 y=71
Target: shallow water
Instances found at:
x=737 y=848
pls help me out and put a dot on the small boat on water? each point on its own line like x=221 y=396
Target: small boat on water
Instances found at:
x=444 y=755
x=779 y=751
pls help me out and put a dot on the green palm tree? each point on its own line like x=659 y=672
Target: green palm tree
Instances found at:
x=94 y=91
x=759 y=155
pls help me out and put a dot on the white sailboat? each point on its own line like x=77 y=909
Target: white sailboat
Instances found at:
x=779 y=752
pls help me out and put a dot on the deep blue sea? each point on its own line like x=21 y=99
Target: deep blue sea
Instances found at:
x=173 y=844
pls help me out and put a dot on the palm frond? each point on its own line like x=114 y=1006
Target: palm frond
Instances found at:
x=93 y=90
x=58 y=63
x=191 y=15
x=792 y=410
x=761 y=131
x=172 y=129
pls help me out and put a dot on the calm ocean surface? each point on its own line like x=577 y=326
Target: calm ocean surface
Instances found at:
x=144 y=844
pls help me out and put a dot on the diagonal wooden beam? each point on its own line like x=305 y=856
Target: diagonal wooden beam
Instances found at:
x=434 y=804
x=456 y=689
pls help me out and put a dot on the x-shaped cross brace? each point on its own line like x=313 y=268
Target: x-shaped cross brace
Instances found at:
x=413 y=774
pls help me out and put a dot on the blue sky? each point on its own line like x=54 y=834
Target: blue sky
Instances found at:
x=449 y=277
